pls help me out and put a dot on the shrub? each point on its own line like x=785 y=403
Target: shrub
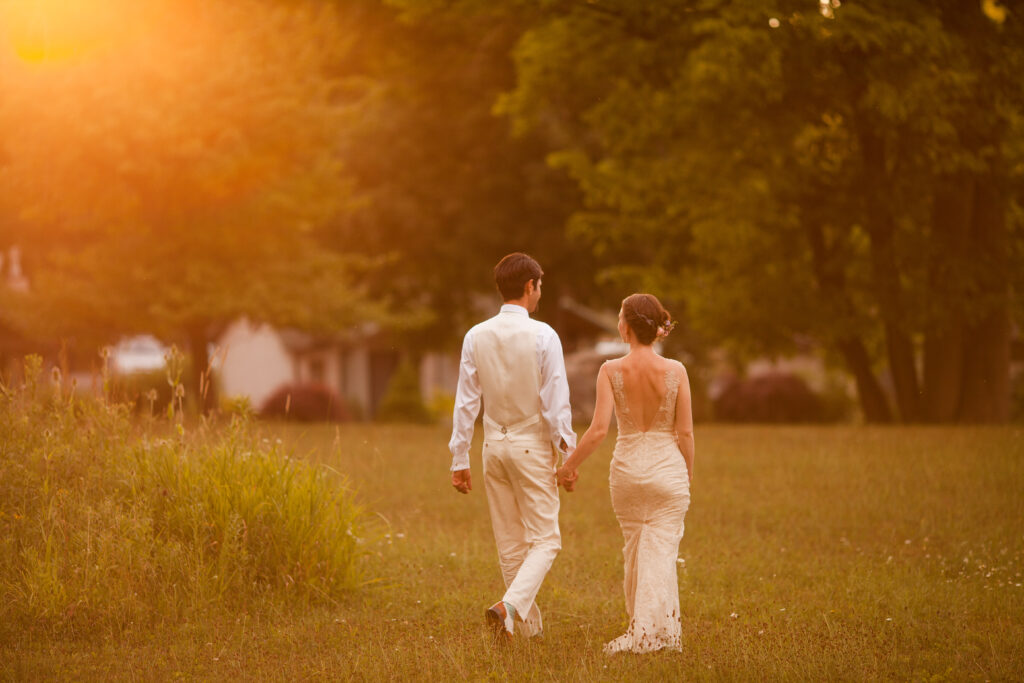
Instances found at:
x=403 y=401
x=101 y=527
x=1017 y=397
x=148 y=392
x=307 y=402
x=772 y=397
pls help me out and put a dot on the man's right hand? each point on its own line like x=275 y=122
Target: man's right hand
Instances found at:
x=461 y=480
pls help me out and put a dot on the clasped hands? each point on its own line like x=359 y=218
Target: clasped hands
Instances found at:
x=566 y=478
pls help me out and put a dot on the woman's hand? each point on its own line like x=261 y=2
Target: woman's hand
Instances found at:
x=567 y=478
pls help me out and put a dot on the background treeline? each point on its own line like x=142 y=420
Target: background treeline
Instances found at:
x=785 y=176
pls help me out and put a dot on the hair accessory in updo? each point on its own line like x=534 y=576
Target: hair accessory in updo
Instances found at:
x=646 y=317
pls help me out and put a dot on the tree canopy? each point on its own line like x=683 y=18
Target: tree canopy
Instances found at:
x=178 y=172
x=795 y=175
x=848 y=175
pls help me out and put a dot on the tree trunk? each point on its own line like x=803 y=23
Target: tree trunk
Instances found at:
x=873 y=403
x=881 y=228
x=986 y=383
x=831 y=280
x=944 y=334
x=200 y=375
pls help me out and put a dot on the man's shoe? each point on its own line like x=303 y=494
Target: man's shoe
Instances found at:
x=502 y=621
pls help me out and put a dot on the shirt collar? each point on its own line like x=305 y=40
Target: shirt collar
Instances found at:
x=514 y=308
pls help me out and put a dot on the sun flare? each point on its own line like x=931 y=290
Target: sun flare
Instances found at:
x=55 y=31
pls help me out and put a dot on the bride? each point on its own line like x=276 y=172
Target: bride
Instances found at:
x=650 y=474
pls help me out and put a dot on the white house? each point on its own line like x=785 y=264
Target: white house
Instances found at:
x=255 y=359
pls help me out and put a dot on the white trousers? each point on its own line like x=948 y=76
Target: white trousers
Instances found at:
x=522 y=495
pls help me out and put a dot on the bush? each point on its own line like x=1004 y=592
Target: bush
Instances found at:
x=101 y=527
x=1017 y=396
x=306 y=403
x=773 y=397
x=148 y=392
x=403 y=401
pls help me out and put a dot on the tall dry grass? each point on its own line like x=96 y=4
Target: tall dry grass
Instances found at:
x=104 y=526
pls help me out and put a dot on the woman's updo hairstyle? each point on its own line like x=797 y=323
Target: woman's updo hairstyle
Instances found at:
x=646 y=317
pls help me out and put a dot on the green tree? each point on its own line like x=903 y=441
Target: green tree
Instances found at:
x=803 y=171
x=180 y=174
x=443 y=186
x=403 y=401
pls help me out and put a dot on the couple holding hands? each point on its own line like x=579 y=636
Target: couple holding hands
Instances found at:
x=514 y=366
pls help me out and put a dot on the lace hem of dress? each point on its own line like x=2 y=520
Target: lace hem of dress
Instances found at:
x=646 y=641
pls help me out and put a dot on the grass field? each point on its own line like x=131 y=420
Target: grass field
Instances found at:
x=810 y=553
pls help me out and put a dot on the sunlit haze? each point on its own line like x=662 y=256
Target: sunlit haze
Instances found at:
x=57 y=31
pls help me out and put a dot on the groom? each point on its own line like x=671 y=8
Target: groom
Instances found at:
x=515 y=365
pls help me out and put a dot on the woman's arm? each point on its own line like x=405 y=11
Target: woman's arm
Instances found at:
x=598 y=427
x=684 y=422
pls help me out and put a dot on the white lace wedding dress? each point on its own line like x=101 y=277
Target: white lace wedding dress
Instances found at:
x=650 y=495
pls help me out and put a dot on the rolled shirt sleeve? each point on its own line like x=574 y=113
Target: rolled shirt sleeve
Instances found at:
x=467 y=406
x=554 y=392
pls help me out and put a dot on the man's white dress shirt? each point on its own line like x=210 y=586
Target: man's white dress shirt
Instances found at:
x=552 y=384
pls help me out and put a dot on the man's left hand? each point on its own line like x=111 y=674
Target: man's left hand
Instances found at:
x=462 y=481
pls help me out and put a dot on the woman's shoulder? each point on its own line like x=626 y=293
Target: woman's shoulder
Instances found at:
x=674 y=367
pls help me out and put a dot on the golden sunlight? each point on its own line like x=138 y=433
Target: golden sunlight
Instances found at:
x=57 y=31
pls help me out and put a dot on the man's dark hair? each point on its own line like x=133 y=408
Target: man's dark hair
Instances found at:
x=513 y=272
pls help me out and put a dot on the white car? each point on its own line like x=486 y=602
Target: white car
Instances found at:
x=143 y=353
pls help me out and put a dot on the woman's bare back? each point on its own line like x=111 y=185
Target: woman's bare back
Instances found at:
x=643 y=383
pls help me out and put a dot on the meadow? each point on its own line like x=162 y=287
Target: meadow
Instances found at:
x=811 y=553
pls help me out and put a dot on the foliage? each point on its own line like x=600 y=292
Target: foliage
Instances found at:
x=102 y=527
x=442 y=185
x=403 y=401
x=771 y=397
x=153 y=392
x=180 y=177
x=1017 y=409
x=305 y=402
x=844 y=175
x=441 y=406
